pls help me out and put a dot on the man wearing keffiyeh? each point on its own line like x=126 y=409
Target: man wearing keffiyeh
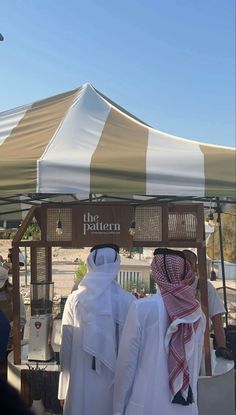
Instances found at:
x=174 y=277
x=161 y=345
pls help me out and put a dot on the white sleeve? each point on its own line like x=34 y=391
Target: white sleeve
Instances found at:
x=127 y=361
x=215 y=305
x=21 y=258
x=65 y=351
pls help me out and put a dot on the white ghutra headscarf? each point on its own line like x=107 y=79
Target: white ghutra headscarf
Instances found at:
x=95 y=297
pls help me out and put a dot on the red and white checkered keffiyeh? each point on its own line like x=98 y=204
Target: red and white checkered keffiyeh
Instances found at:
x=184 y=313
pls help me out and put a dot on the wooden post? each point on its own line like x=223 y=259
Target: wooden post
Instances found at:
x=16 y=305
x=49 y=263
x=164 y=222
x=204 y=303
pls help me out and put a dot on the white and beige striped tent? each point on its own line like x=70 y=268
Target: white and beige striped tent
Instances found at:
x=80 y=142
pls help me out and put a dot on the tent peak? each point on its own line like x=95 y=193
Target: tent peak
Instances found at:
x=87 y=85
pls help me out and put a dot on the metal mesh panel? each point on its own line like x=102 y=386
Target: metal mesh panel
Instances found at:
x=41 y=264
x=148 y=223
x=182 y=226
x=66 y=221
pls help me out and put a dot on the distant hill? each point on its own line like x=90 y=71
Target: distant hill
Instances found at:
x=229 y=238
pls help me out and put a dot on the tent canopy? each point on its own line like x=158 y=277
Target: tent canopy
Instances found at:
x=80 y=142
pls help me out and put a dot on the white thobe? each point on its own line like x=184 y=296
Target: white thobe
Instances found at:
x=141 y=380
x=87 y=391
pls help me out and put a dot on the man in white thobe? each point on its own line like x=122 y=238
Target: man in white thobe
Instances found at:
x=92 y=323
x=161 y=345
x=215 y=308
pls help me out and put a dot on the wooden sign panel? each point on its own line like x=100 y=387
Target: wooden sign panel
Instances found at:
x=98 y=224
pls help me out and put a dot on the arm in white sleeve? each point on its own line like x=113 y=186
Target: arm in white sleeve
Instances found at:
x=215 y=305
x=65 y=352
x=127 y=361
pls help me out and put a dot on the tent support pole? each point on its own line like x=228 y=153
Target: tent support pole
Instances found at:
x=222 y=259
x=204 y=303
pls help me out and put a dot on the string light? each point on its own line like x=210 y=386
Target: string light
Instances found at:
x=211 y=219
x=59 y=228
x=132 y=228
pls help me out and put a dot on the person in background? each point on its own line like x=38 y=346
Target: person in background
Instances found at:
x=9 y=259
x=4 y=335
x=6 y=308
x=21 y=259
x=215 y=308
x=92 y=323
x=9 y=255
x=6 y=300
x=5 y=329
x=1 y=259
x=161 y=345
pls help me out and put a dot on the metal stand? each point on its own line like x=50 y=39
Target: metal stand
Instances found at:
x=222 y=259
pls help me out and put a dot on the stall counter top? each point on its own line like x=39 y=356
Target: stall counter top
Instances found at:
x=25 y=363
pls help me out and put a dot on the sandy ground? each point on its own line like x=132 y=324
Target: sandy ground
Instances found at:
x=58 y=254
x=64 y=264
x=4 y=245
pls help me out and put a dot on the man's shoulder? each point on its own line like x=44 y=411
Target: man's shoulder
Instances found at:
x=211 y=288
x=148 y=310
x=121 y=292
x=73 y=297
x=149 y=303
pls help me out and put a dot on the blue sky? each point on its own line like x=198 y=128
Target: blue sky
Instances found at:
x=169 y=62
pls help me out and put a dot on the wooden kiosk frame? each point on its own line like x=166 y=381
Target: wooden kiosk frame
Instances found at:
x=146 y=224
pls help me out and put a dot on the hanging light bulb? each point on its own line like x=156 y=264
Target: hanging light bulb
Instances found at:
x=211 y=219
x=132 y=228
x=59 y=229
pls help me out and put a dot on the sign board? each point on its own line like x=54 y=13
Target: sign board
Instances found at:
x=97 y=224
x=126 y=225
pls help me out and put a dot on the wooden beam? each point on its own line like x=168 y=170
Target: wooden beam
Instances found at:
x=24 y=226
x=16 y=306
